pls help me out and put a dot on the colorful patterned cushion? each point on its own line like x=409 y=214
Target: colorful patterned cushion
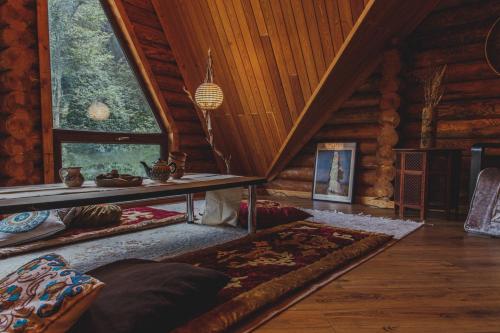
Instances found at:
x=45 y=295
x=28 y=226
x=271 y=213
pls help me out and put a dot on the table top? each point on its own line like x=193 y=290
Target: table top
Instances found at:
x=50 y=196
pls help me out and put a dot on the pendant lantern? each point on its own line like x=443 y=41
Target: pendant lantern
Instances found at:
x=209 y=95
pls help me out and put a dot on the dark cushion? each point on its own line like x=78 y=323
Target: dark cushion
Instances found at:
x=93 y=216
x=271 y=213
x=148 y=296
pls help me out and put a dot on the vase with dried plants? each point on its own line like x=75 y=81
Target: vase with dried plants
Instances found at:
x=432 y=82
x=208 y=97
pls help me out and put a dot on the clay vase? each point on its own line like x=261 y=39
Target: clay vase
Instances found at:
x=428 y=130
x=179 y=158
x=71 y=176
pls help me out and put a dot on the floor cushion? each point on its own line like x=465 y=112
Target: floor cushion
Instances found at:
x=45 y=295
x=148 y=296
x=92 y=216
x=29 y=226
x=271 y=213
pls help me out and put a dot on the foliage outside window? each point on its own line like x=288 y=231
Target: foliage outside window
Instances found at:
x=89 y=69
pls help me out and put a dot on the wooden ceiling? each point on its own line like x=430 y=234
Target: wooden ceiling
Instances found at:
x=284 y=65
x=269 y=57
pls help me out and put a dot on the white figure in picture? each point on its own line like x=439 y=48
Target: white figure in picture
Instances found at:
x=336 y=174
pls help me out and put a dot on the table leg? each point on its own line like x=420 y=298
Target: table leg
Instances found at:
x=190 y=208
x=252 y=210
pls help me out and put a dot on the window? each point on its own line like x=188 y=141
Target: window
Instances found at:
x=102 y=119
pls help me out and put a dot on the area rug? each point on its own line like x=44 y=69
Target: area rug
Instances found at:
x=270 y=265
x=178 y=238
x=133 y=219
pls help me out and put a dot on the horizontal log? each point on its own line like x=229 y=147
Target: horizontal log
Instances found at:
x=459 y=110
x=142 y=16
x=144 y=4
x=177 y=99
x=297 y=173
x=170 y=83
x=201 y=166
x=183 y=114
x=459 y=129
x=191 y=141
x=459 y=91
x=471 y=71
x=149 y=34
x=370 y=86
x=361 y=101
x=455 y=35
x=464 y=143
x=189 y=127
x=364 y=177
x=451 y=55
x=462 y=15
x=164 y=68
x=360 y=116
x=362 y=131
x=367 y=162
x=284 y=184
x=158 y=52
x=199 y=154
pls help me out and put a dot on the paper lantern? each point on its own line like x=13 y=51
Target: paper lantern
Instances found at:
x=209 y=96
x=98 y=111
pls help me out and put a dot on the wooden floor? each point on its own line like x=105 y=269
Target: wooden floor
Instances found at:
x=438 y=279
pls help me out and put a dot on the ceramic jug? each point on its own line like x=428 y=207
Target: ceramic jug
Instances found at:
x=179 y=158
x=71 y=176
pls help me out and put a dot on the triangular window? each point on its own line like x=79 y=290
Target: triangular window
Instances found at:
x=102 y=119
x=93 y=86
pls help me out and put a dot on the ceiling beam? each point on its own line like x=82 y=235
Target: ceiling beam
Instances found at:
x=381 y=22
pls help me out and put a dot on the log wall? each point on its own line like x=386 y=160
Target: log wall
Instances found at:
x=454 y=35
x=20 y=121
x=356 y=121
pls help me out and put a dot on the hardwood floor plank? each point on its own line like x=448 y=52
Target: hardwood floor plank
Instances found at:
x=438 y=279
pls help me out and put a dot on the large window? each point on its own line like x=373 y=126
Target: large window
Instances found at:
x=101 y=117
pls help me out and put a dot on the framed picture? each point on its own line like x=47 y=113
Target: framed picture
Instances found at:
x=334 y=172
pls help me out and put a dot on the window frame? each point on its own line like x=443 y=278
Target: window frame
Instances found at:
x=53 y=138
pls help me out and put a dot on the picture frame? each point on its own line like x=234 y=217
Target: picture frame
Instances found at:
x=334 y=168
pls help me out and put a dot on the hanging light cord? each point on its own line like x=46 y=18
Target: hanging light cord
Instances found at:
x=209 y=76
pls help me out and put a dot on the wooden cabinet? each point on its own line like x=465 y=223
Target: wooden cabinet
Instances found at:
x=427 y=179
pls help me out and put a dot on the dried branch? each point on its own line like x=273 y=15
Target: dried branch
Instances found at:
x=433 y=89
x=210 y=139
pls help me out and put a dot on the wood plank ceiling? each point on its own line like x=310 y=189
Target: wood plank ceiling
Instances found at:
x=269 y=57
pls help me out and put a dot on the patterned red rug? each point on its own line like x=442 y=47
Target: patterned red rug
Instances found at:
x=133 y=219
x=272 y=264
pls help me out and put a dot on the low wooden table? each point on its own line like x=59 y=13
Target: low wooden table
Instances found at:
x=51 y=196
